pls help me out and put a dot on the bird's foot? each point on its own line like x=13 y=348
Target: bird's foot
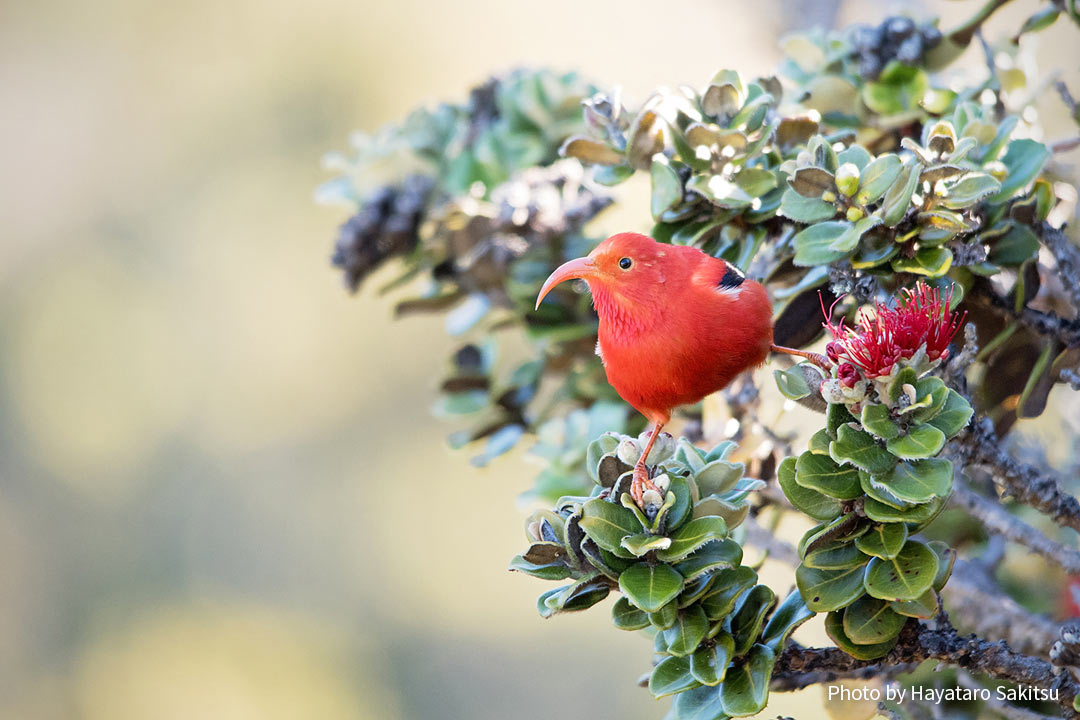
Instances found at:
x=640 y=484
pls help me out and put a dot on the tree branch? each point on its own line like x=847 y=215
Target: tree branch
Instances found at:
x=1067 y=257
x=996 y=518
x=919 y=642
x=981 y=446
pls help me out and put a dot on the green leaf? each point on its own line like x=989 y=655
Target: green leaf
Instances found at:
x=627 y=617
x=834 y=628
x=946 y=559
x=821 y=244
x=789 y=615
x=803 y=209
x=607 y=524
x=689 y=630
x=581 y=595
x=823 y=475
x=855 y=154
x=667 y=187
x=642 y=543
x=878 y=177
x=1024 y=159
x=818 y=444
x=555 y=570
x=825 y=590
x=930 y=397
x=876 y=488
x=811 y=182
x=755 y=181
x=845 y=527
x=869 y=621
x=838 y=557
x=836 y=415
x=709 y=664
x=898 y=197
x=745 y=689
x=922 y=441
x=750 y=616
x=906 y=376
x=692 y=536
x=859 y=449
x=700 y=703
x=1014 y=247
x=904 y=577
x=922 y=480
x=720 y=191
x=650 y=587
x=884 y=540
x=792 y=384
x=927 y=261
x=665 y=617
x=925 y=606
x=670 y=676
x=725 y=590
x=954 y=415
x=917 y=514
x=681 y=507
x=711 y=556
x=718 y=477
x=877 y=419
x=590 y=151
x=970 y=190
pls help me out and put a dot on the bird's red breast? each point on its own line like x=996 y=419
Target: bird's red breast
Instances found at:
x=675 y=324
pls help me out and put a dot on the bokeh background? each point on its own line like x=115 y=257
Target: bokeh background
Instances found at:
x=205 y=442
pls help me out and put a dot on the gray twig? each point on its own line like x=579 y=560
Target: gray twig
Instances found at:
x=981 y=446
x=1067 y=256
x=919 y=642
x=997 y=519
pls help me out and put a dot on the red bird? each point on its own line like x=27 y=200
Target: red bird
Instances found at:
x=675 y=325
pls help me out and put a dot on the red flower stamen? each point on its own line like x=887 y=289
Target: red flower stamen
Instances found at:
x=921 y=317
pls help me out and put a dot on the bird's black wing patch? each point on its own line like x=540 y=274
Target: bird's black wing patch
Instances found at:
x=732 y=279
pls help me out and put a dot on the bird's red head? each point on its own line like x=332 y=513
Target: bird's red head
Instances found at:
x=627 y=265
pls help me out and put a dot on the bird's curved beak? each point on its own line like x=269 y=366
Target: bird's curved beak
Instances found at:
x=582 y=267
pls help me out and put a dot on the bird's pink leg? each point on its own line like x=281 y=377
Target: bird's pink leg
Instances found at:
x=641 y=481
x=820 y=360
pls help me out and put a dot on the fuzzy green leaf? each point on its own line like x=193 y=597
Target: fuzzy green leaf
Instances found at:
x=884 y=540
x=904 y=577
x=860 y=450
x=922 y=441
x=650 y=587
x=692 y=536
x=607 y=524
x=825 y=590
x=869 y=621
x=670 y=676
x=711 y=556
x=745 y=690
x=627 y=617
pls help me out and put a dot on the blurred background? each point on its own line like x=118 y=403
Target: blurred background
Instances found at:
x=205 y=441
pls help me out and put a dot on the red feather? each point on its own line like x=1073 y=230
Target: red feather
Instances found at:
x=675 y=324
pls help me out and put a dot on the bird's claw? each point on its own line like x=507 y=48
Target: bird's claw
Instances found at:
x=640 y=484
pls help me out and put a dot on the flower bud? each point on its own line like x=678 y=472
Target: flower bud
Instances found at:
x=828 y=196
x=847 y=375
x=651 y=499
x=847 y=178
x=662 y=482
x=628 y=451
x=833 y=350
x=662 y=449
x=854 y=214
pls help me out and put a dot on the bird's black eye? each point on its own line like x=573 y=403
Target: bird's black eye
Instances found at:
x=625 y=263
